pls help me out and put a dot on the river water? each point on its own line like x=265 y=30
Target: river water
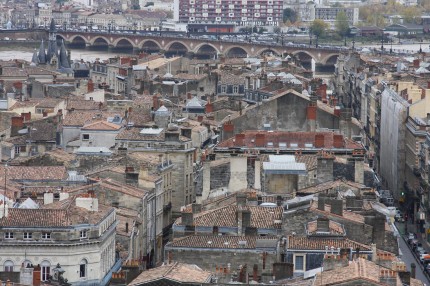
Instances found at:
x=91 y=56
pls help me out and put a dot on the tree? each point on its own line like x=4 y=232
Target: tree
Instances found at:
x=342 y=25
x=318 y=27
x=410 y=13
x=289 y=15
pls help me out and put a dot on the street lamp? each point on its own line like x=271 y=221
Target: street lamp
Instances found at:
x=135 y=27
x=310 y=37
x=91 y=25
x=160 y=26
x=382 y=41
x=109 y=26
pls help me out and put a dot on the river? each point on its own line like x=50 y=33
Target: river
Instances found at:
x=90 y=55
x=76 y=54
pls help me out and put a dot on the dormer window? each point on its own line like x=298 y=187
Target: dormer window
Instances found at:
x=28 y=235
x=8 y=235
x=83 y=234
x=46 y=235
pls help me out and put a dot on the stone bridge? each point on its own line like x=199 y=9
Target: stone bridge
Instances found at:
x=183 y=45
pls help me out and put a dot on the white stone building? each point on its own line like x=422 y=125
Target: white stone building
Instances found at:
x=76 y=233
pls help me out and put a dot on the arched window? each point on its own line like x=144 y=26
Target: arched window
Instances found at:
x=8 y=266
x=83 y=268
x=45 y=270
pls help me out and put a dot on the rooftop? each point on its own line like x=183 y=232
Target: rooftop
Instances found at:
x=224 y=241
x=179 y=272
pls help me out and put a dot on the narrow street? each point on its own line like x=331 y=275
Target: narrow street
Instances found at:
x=408 y=256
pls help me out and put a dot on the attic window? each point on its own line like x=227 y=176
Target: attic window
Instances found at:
x=269 y=144
x=294 y=145
x=282 y=145
x=85 y=136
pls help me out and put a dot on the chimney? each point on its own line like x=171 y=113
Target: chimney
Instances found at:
x=345 y=122
x=241 y=199
x=319 y=141
x=155 y=102
x=126 y=227
x=45 y=114
x=189 y=96
x=187 y=219
x=413 y=270
x=196 y=208
x=209 y=108
x=48 y=198
x=311 y=113
x=388 y=277
x=1 y=70
x=374 y=252
x=239 y=140
x=334 y=261
x=16 y=124
x=322 y=91
x=323 y=224
x=90 y=86
x=260 y=140
x=255 y=272
x=416 y=63
x=228 y=129
x=4 y=209
x=337 y=141
x=88 y=203
x=243 y=220
x=359 y=170
x=324 y=168
x=200 y=118
x=337 y=207
x=321 y=202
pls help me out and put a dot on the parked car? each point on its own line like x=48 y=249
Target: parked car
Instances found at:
x=399 y=218
x=424 y=256
x=419 y=249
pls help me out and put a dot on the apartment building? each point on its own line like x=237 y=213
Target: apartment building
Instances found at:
x=241 y=13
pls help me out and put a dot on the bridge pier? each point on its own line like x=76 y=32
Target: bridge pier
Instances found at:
x=110 y=48
x=136 y=50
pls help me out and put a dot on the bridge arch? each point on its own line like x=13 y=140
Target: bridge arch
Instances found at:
x=150 y=46
x=78 y=41
x=236 y=52
x=123 y=41
x=207 y=49
x=304 y=55
x=177 y=47
x=99 y=39
x=267 y=50
x=330 y=59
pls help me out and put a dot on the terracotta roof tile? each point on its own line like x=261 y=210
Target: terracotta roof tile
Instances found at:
x=292 y=140
x=261 y=217
x=34 y=173
x=318 y=243
x=334 y=227
x=323 y=187
x=219 y=241
x=177 y=272
x=101 y=125
x=80 y=118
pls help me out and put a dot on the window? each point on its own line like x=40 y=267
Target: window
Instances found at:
x=28 y=235
x=8 y=235
x=17 y=149
x=8 y=266
x=223 y=89
x=83 y=234
x=46 y=235
x=299 y=263
x=85 y=136
x=235 y=89
x=83 y=268
x=45 y=270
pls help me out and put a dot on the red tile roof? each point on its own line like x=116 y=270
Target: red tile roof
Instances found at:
x=101 y=125
x=261 y=217
x=318 y=243
x=220 y=241
x=185 y=273
x=299 y=138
